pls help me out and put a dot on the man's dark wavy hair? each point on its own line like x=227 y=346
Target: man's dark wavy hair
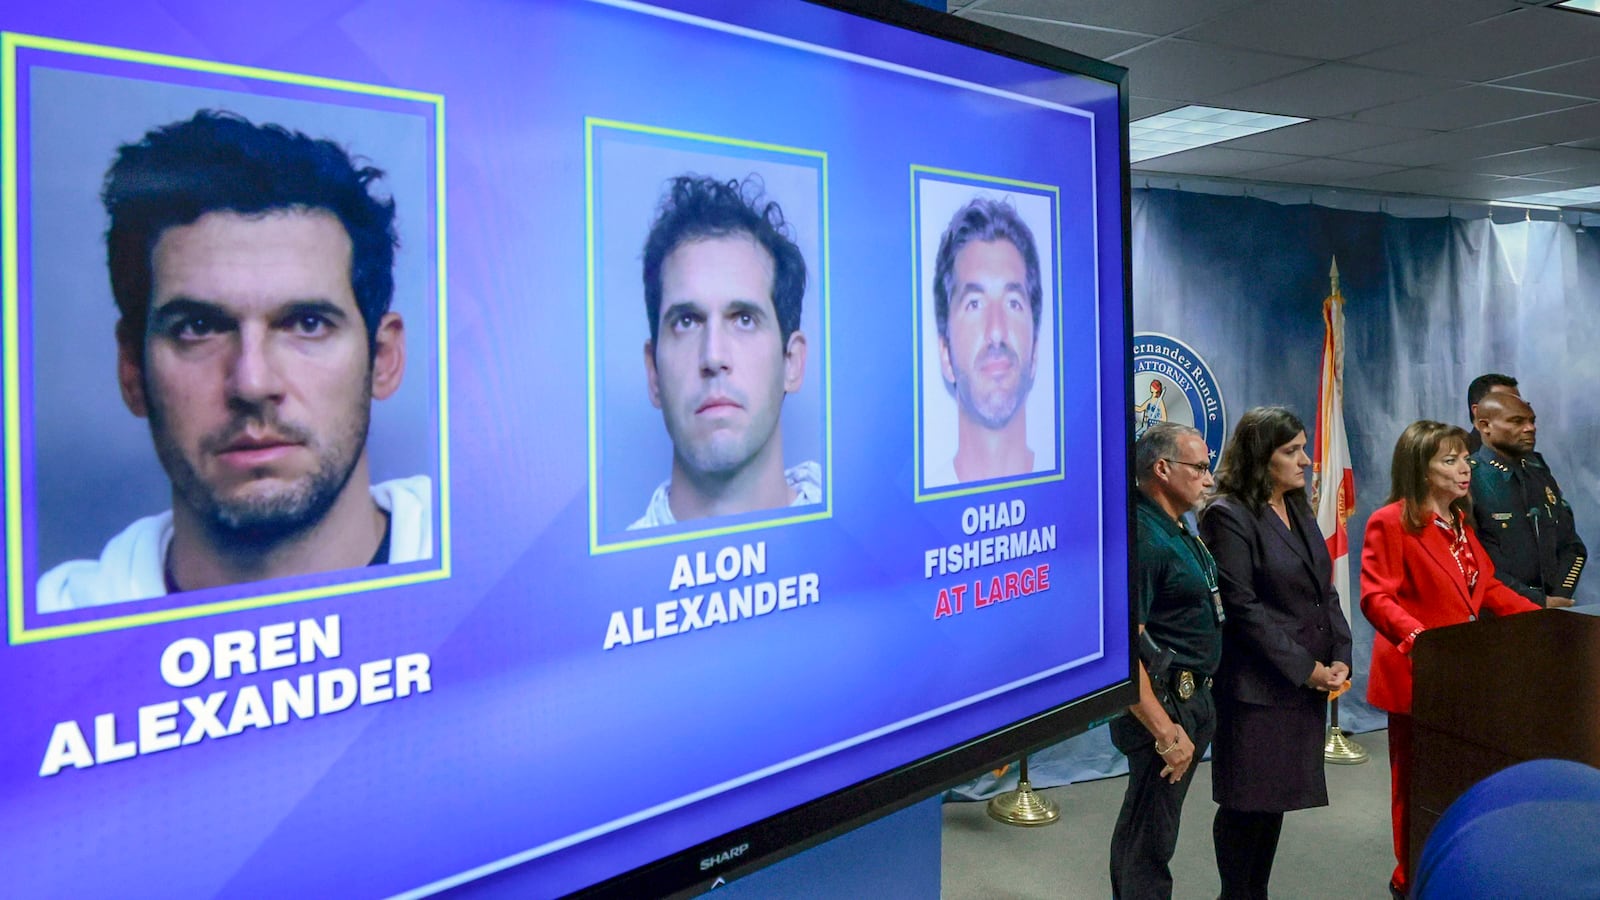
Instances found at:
x=697 y=207
x=222 y=161
x=983 y=219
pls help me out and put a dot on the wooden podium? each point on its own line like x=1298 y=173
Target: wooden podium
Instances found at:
x=1496 y=692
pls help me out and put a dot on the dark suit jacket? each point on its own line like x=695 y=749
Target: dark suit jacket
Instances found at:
x=1410 y=581
x=1526 y=525
x=1283 y=612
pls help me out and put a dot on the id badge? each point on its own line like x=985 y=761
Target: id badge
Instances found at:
x=1216 y=607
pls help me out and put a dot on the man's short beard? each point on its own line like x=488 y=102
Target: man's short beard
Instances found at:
x=255 y=524
x=994 y=411
x=258 y=523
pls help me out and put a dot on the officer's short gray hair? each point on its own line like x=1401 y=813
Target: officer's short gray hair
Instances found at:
x=1159 y=442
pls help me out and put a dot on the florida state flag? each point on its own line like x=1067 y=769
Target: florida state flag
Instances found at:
x=1335 y=492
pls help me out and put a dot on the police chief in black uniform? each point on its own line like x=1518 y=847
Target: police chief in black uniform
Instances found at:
x=1180 y=643
x=1523 y=521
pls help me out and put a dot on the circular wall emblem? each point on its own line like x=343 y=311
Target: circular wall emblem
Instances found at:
x=1172 y=383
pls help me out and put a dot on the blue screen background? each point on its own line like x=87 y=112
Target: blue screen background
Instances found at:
x=535 y=744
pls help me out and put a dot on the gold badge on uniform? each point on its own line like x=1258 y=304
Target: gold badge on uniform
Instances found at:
x=1185 y=685
x=1550 y=495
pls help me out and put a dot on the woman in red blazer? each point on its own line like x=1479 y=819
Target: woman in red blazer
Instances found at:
x=1421 y=567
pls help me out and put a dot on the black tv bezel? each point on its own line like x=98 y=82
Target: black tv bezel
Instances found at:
x=802 y=827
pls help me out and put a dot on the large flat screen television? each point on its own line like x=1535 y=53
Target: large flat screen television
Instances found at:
x=532 y=446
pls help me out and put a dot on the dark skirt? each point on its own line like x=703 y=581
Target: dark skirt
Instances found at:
x=1269 y=758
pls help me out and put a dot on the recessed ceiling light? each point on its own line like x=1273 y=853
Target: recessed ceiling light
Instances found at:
x=1196 y=126
x=1587 y=6
x=1584 y=196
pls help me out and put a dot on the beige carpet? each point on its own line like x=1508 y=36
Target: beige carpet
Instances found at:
x=1342 y=850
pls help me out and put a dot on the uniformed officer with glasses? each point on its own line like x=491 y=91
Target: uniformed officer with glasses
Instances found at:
x=1180 y=643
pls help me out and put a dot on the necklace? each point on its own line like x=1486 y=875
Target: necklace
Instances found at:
x=1282 y=509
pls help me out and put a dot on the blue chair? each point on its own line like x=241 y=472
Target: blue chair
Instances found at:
x=1532 y=830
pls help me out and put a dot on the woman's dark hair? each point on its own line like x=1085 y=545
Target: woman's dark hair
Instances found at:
x=1408 y=471
x=1242 y=473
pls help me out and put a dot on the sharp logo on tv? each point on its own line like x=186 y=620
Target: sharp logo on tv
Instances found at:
x=726 y=856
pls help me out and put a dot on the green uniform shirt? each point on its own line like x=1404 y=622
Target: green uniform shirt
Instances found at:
x=1173 y=590
x=1525 y=525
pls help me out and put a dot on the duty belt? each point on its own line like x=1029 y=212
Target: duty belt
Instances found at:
x=1183 y=683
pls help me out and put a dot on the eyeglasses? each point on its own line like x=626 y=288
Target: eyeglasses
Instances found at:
x=1200 y=467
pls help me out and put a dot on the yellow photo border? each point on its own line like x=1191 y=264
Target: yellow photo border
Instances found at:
x=823 y=294
x=1054 y=192
x=17 y=591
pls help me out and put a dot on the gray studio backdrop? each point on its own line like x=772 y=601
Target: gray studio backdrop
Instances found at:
x=95 y=468
x=1431 y=303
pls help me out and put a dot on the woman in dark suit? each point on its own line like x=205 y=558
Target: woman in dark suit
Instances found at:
x=1421 y=567
x=1286 y=643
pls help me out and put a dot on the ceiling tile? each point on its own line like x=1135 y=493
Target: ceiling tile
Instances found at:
x=1439 y=148
x=1529 y=162
x=1466 y=107
x=1481 y=187
x=1145 y=16
x=1321 y=171
x=1214 y=161
x=1562 y=127
x=1325 y=137
x=1409 y=97
x=1144 y=107
x=1332 y=89
x=1336 y=29
x=1511 y=44
x=1411 y=181
x=1096 y=42
x=1580 y=175
x=1579 y=78
x=1521 y=187
x=1184 y=70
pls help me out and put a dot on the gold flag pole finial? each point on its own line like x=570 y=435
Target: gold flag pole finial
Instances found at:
x=1333 y=279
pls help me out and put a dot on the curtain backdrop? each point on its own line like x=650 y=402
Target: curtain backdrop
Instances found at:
x=1429 y=305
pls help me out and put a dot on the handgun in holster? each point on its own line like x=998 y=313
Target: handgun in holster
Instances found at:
x=1156 y=659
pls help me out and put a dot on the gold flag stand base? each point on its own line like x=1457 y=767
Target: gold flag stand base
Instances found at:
x=1340 y=749
x=1024 y=806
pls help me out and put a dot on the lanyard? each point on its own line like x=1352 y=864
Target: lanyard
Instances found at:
x=1208 y=566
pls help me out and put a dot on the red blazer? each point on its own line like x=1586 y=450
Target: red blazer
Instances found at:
x=1409 y=580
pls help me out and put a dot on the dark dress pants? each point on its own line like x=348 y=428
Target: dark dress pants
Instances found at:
x=1146 y=835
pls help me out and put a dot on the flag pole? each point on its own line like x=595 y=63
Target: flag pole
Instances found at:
x=1339 y=748
x=1335 y=487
